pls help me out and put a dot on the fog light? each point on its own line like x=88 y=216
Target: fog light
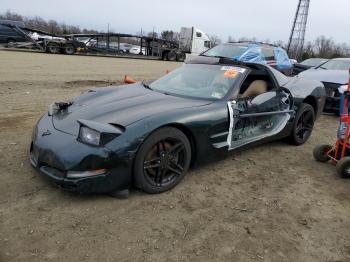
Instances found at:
x=77 y=174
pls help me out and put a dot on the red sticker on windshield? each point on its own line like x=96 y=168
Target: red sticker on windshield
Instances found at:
x=230 y=73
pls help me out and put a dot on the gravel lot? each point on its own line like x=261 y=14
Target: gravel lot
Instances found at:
x=268 y=203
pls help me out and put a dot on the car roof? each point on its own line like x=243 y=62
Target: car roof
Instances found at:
x=251 y=43
x=212 y=60
x=316 y=58
x=342 y=59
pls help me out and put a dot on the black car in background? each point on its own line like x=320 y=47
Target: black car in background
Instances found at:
x=307 y=64
x=334 y=74
x=8 y=35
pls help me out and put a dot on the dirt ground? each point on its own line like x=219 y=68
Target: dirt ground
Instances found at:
x=269 y=203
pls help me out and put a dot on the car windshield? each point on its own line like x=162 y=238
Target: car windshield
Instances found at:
x=228 y=50
x=199 y=81
x=313 y=62
x=336 y=65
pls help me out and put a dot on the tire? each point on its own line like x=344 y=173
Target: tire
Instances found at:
x=180 y=57
x=162 y=160
x=303 y=124
x=11 y=43
x=320 y=153
x=171 y=56
x=53 y=48
x=69 y=49
x=343 y=167
x=165 y=56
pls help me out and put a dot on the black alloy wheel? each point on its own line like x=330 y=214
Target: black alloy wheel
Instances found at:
x=162 y=160
x=303 y=124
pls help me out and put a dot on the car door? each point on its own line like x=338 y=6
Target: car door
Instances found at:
x=3 y=34
x=258 y=118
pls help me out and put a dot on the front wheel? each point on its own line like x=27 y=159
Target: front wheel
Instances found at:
x=11 y=43
x=162 y=160
x=303 y=124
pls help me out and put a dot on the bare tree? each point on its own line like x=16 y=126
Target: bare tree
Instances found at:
x=152 y=34
x=167 y=35
x=230 y=39
x=324 y=46
x=50 y=26
x=215 y=40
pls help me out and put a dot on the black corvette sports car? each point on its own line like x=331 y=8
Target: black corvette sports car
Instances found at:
x=108 y=139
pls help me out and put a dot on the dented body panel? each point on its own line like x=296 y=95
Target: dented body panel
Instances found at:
x=136 y=111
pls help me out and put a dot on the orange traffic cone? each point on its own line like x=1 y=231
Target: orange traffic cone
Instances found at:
x=128 y=80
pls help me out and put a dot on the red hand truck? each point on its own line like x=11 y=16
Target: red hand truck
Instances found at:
x=339 y=154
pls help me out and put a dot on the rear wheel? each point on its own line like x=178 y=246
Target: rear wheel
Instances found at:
x=162 y=160
x=171 y=56
x=180 y=57
x=320 y=152
x=53 y=48
x=343 y=167
x=69 y=49
x=303 y=124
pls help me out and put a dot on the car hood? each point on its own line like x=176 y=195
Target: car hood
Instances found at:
x=330 y=76
x=120 y=105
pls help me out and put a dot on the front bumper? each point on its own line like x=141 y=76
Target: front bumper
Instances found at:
x=332 y=104
x=54 y=153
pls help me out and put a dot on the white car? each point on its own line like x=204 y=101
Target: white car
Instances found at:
x=137 y=49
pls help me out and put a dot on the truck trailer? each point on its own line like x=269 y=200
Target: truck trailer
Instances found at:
x=190 y=41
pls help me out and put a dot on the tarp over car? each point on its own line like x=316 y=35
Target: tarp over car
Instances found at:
x=254 y=54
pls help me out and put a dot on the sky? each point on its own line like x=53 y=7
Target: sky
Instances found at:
x=264 y=19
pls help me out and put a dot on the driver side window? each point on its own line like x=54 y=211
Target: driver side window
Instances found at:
x=256 y=83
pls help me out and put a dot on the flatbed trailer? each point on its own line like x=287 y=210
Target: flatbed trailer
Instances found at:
x=111 y=43
x=44 y=41
x=98 y=44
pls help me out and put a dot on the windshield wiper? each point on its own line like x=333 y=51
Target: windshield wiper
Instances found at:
x=215 y=56
x=146 y=86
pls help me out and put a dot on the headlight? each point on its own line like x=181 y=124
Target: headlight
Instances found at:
x=342 y=88
x=98 y=134
x=89 y=136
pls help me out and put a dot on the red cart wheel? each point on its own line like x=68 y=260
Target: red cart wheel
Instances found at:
x=320 y=153
x=343 y=167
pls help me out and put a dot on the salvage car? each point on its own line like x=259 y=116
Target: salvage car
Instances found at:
x=307 y=64
x=108 y=139
x=10 y=36
x=254 y=52
x=334 y=74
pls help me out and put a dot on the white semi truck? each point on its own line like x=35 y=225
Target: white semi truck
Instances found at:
x=193 y=41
